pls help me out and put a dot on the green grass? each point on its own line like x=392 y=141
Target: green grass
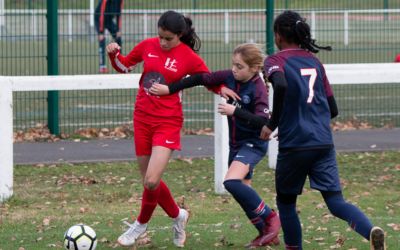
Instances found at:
x=103 y=194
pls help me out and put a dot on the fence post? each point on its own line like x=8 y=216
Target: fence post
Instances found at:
x=91 y=14
x=2 y=17
x=313 y=25
x=386 y=7
x=269 y=26
x=52 y=64
x=346 y=28
x=145 y=25
x=226 y=18
x=6 y=142
x=273 y=143
x=221 y=147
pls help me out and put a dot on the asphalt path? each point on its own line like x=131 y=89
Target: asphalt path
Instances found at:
x=193 y=146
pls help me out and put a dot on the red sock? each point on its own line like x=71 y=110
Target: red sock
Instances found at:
x=149 y=203
x=167 y=202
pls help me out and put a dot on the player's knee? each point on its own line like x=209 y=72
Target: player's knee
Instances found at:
x=334 y=201
x=231 y=185
x=150 y=183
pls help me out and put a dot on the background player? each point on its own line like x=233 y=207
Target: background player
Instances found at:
x=246 y=149
x=303 y=106
x=158 y=120
x=108 y=16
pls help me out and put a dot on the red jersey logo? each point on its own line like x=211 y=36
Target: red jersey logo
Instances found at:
x=170 y=64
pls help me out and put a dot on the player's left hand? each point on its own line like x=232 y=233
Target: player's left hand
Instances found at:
x=228 y=93
x=226 y=109
x=159 y=89
x=265 y=133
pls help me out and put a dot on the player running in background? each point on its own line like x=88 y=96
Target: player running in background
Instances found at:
x=397 y=58
x=158 y=120
x=246 y=149
x=108 y=16
x=303 y=106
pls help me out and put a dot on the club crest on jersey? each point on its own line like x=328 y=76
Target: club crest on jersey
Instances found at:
x=246 y=99
x=170 y=64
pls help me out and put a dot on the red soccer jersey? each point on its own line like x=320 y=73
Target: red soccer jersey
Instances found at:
x=163 y=67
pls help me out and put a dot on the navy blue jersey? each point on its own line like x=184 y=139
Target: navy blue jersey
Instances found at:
x=305 y=118
x=254 y=98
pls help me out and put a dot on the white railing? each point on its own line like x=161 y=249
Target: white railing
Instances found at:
x=337 y=74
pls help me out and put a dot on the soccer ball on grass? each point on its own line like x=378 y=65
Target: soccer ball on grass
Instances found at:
x=80 y=237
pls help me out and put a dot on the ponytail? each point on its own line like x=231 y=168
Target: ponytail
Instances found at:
x=189 y=36
x=302 y=30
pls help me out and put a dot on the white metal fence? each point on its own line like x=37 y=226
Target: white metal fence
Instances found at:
x=226 y=25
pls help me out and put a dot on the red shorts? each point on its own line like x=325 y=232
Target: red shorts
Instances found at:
x=150 y=132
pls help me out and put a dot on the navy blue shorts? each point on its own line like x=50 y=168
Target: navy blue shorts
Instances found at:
x=319 y=165
x=247 y=155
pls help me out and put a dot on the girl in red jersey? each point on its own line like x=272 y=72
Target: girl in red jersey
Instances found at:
x=158 y=119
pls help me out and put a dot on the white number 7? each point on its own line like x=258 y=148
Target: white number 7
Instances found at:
x=313 y=76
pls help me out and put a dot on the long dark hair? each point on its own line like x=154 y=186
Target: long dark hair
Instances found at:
x=294 y=29
x=180 y=25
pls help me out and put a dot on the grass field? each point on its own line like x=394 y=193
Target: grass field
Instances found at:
x=49 y=199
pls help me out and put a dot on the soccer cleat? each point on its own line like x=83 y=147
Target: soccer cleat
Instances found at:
x=260 y=242
x=179 y=228
x=270 y=232
x=377 y=239
x=134 y=231
x=103 y=70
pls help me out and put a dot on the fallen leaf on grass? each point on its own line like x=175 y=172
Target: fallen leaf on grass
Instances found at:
x=395 y=227
x=72 y=179
x=46 y=222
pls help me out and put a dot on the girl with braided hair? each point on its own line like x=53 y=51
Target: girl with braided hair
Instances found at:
x=303 y=106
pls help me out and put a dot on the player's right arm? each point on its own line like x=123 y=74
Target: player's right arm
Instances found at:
x=121 y=63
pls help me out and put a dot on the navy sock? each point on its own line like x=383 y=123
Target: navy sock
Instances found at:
x=348 y=212
x=250 y=202
x=290 y=224
x=102 y=53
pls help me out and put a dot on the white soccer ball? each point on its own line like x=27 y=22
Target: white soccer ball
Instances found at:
x=80 y=237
